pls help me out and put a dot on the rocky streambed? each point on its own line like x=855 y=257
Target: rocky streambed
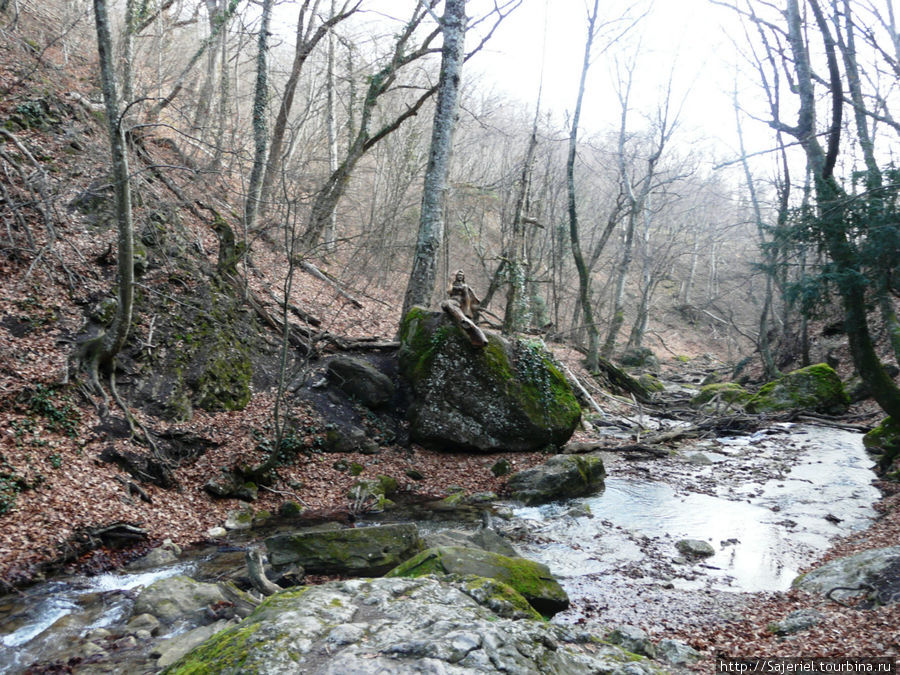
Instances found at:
x=766 y=505
x=669 y=544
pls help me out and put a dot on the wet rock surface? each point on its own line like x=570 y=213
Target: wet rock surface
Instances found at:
x=532 y=580
x=399 y=626
x=560 y=477
x=357 y=551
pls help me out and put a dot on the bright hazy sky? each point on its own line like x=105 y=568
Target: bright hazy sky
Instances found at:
x=683 y=37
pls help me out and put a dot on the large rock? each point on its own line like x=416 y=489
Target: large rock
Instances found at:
x=877 y=569
x=483 y=538
x=639 y=357
x=815 y=387
x=884 y=442
x=361 y=380
x=560 y=477
x=532 y=579
x=178 y=597
x=721 y=393
x=505 y=396
x=356 y=551
x=402 y=627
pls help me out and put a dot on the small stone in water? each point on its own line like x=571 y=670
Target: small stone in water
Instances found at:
x=695 y=548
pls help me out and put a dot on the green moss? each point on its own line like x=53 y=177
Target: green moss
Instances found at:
x=226 y=650
x=884 y=440
x=883 y=436
x=815 y=387
x=526 y=577
x=651 y=383
x=419 y=346
x=213 y=361
x=500 y=593
x=727 y=392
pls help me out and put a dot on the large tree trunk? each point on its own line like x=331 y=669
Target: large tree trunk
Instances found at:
x=260 y=125
x=420 y=288
x=102 y=352
x=584 y=278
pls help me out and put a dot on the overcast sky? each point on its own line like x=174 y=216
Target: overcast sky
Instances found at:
x=684 y=37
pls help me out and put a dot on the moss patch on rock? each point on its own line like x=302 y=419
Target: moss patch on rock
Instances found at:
x=726 y=392
x=884 y=442
x=531 y=579
x=815 y=387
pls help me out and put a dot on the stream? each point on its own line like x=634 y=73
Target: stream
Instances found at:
x=768 y=503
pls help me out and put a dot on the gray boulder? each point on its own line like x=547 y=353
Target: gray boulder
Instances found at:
x=856 y=575
x=504 y=396
x=676 y=653
x=532 y=580
x=361 y=380
x=633 y=639
x=560 y=477
x=397 y=626
x=795 y=622
x=695 y=548
x=639 y=357
x=177 y=597
x=169 y=651
x=482 y=538
x=356 y=551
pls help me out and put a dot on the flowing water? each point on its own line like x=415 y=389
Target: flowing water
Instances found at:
x=768 y=504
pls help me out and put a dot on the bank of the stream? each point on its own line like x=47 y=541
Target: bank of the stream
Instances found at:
x=770 y=504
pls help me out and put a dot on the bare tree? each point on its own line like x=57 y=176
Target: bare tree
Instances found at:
x=101 y=352
x=638 y=189
x=584 y=279
x=308 y=36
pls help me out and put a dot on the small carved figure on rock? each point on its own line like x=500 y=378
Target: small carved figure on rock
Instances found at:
x=462 y=304
x=464 y=296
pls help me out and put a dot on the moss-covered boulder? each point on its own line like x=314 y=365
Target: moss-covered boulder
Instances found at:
x=505 y=396
x=201 y=356
x=884 y=442
x=355 y=551
x=560 y=477
x=403 y=627
x=722 y=392
x=639 y=357
x=815 y=387
x=531 y=579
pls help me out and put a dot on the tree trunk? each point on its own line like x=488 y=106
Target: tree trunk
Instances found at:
x=584 y=279
x=260 y=128
x=618 y=312
x=516 y=300
x=306 y=41
x=103 y=352
x=201 y=114
x=831 y=204
x=420 y=288
x=331 y=123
